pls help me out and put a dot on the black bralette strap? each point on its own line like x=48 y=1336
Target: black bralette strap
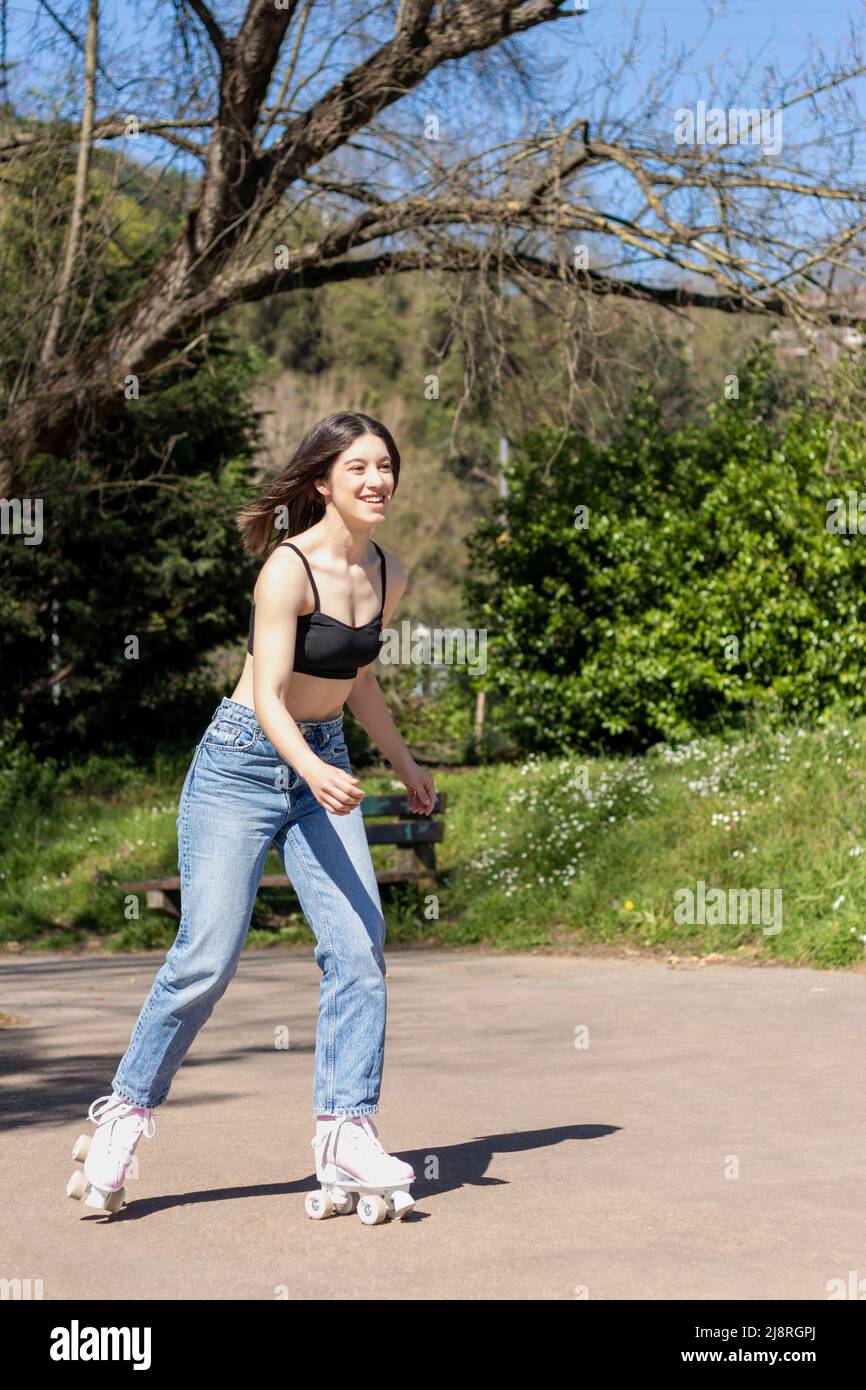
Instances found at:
x=291 y=546
x=382 y=558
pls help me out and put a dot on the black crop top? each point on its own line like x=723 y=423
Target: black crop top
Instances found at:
x=326 y=647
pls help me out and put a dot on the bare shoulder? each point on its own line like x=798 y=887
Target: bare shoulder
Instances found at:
x=395 y=570
x=282 y=582
x=395 y=583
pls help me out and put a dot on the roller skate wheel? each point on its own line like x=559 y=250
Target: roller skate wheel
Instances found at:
x=400 y=1203
x=345 y=1203
x=105 y=1201
x=76 y=1187
x=318 y=1205
x=81 y=1148
x=372 y=1209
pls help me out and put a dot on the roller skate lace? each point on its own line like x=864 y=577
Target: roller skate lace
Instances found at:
x=99 y=1113
x=373 y=1132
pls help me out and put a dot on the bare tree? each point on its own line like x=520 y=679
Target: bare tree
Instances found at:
x=645 y=205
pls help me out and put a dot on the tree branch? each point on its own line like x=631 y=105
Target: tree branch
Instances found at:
x=215 y=33
x=79 y=200
x=262 y=284
x=511 y=211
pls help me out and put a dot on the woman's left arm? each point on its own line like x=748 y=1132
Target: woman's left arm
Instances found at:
x=367 y=704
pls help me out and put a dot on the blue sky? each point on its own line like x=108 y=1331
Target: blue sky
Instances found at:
x=747 y=32
x=746 y=36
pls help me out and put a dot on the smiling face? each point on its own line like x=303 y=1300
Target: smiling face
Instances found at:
x=360 y=482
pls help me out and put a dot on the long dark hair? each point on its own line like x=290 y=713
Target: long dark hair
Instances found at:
x=293 y=488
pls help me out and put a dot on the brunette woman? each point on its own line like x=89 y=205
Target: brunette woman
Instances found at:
x=272 y=769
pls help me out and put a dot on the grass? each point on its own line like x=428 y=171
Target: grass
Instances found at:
x=557 y=853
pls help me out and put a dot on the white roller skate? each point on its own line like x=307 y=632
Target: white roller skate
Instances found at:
x=107 y=1154
x=356 y=1174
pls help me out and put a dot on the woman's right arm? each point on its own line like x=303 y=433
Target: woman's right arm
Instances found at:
x=279 y=595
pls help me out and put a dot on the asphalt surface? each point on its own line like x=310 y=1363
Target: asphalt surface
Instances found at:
x=707 y=1143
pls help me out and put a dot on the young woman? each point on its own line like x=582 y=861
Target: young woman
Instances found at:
x=272 y=769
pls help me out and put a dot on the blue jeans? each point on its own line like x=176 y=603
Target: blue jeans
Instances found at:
x=239 y=798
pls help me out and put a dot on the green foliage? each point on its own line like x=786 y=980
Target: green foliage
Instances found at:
x=370 y=328
x=432 y=707
x=140 y=545
x=130 y=219
x=24 y=778
x=704 y=586
x=552 y=853
x=573 y=852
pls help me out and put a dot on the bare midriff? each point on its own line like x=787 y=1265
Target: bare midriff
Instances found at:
x=312 y=698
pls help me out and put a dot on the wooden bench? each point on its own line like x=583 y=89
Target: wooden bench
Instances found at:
x=415 y=837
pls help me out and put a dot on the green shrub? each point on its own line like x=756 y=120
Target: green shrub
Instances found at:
x=704 y=585
x=139 y=542
x=24 y=778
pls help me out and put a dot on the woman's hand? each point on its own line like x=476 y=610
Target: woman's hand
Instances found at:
x=419 y=785
x=336 y=790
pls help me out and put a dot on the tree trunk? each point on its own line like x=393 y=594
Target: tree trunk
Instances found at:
x=241 y=186
x=79 y=201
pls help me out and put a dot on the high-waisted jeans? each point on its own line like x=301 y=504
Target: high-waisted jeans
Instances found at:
x=239 y=798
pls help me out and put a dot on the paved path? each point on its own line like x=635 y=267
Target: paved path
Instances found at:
x=605 y=1167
